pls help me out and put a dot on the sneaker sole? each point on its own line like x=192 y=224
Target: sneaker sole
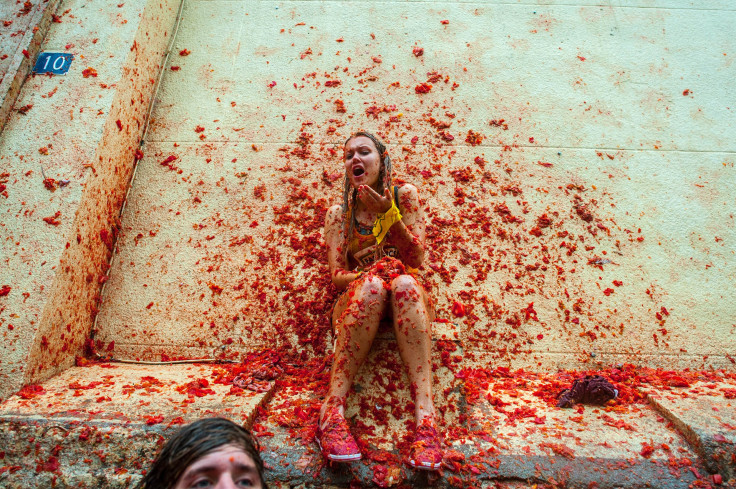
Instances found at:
x=338 y=458
x=425 y=465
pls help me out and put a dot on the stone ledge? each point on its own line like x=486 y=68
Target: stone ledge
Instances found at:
x=92 y=427
x=708 y=423
x=100 y=426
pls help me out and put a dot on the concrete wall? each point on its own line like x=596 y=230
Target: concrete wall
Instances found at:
x=22 y=30
x=66 y=164
x=574 y=160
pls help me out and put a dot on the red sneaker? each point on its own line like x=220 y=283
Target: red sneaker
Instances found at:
x=335 y=440
x=426 y=453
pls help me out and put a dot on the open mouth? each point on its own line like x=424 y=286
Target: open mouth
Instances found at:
x=358 y=171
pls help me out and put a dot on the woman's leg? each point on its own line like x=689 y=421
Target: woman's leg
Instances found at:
x=356 y=327
x=413 y=335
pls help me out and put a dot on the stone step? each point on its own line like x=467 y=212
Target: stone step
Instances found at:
x=100 y=425
x=705 y=415
x=498 y=431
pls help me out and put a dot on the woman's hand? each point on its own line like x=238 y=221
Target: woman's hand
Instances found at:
x=387 y=268
x=373 y=201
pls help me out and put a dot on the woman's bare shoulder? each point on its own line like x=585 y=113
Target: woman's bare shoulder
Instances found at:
x=409 y=190
x=334 y=214
x=407 y=187
x=408 y=197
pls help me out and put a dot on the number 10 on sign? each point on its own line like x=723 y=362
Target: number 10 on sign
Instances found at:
x=54 y=63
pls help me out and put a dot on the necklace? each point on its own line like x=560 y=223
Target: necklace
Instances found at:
x=364 y=230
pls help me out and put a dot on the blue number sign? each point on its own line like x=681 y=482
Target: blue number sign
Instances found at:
x=55 y=63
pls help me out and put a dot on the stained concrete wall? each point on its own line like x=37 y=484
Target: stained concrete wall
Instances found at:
x=23 y=26
x=573 y=158
x=66 y=162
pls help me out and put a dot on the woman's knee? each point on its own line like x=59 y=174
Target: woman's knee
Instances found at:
x=371 y=286
x=405 y=288
x=370 y=292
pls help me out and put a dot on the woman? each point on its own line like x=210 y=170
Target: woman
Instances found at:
x=375 y=240
x=208 y=453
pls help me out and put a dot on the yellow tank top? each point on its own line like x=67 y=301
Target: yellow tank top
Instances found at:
x=362 y=248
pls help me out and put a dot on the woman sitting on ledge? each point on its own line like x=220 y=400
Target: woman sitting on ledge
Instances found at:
x=375 y=241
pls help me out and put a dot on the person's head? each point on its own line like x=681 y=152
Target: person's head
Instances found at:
x=366 y=162
x=208 y=453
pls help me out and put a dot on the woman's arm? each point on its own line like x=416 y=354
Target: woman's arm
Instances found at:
x=408 y=235
x=335 y=240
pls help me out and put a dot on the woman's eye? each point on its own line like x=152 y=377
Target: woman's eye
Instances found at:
x=201 y=483
x=245 y=483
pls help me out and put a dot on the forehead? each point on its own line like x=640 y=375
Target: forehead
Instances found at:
x=222 y=459
x=359 y=141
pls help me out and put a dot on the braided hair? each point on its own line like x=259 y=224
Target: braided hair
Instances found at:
x=348 y=197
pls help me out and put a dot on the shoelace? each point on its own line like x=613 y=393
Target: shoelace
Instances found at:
x=336 y=424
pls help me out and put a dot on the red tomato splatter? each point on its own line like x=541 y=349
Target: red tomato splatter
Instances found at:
x=216 y=289
x=423 y=88
x=152 y=420
x=559 y=449
x=458 y=309
x=647 y=449
x=30 y=391
x=50 y=465
x=473 y=138
x=53 y=220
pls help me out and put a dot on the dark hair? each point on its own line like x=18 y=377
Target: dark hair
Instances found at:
x=193 y=442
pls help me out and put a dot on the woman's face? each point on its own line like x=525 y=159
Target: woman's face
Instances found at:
x=228 y=467
x=362 y=161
